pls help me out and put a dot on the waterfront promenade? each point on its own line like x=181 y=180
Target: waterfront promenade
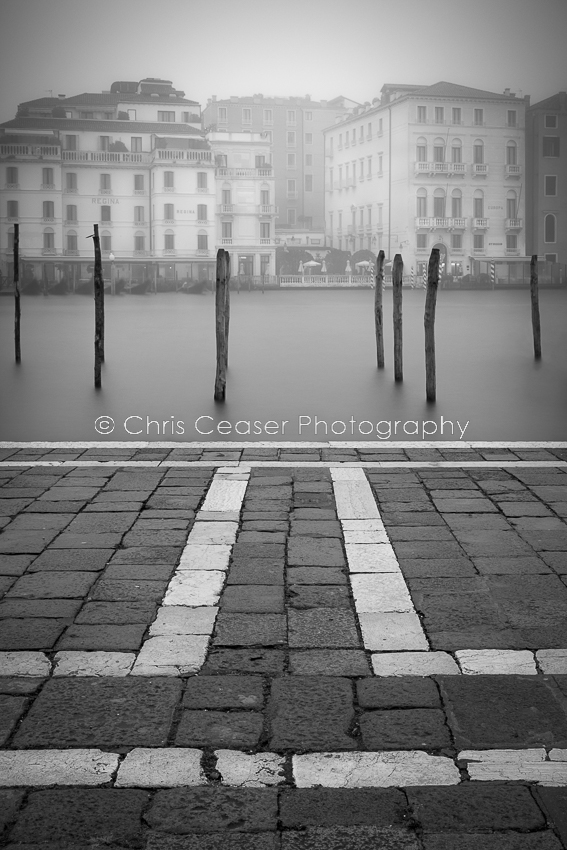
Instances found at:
x=305 y=646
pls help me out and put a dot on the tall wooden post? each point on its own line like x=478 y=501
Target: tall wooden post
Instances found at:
x=99 y=309
x=378 y=315
x=429 y=324
x=222 y=316
x=397 y=274
x=534 y=292
x=17 y=310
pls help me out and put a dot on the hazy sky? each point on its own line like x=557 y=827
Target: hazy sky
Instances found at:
x=280 y=47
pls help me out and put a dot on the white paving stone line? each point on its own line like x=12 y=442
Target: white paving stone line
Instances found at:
x=180 y=634
x=388 y=619
x=516 y=765
x=373 y=770
x=57 y=767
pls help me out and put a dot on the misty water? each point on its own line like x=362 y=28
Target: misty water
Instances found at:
x=295 y=357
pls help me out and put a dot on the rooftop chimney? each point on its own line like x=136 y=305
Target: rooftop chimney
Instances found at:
x=61 y=96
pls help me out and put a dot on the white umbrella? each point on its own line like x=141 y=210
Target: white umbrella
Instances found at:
x=310 y=264
x=348 y=269
x=364 y=264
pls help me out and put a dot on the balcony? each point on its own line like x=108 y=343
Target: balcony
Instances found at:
x=203 y=252
x=264 y=241
x=11 y=186
x=71 y=222
x=267 y=209
x=226 y=240
x=141 y=253
x=513 y=171
x=449 y=169
x=191 y=156
x=480 y=224
x=479 y=169
x=114 y=157
x=47 y=187
x=137 y=192
x=514 y=223
x=30 y=151
x=69 y=190
x=169 y=221
x=48 y=219
x=512 y=252
x=169 y=252
x=226 y=209
x=49 y=252
x=266 y=171
x=70 y=252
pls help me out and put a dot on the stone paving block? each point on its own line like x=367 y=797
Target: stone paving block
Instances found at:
x=24 y=663
x=104 y=540
x=182 y=620
x=257 y=571
x=392 y=632
x=495 y=661
x=150 y=768
x=14 y=565
x=407 y=729
x=340 y=837
x=32 y=633
x=490 y=711
x=20 y=542
x=155 y=537
x=316 y=596
x=371 y=558
x=554 y=802
x=378 y=770
x=52 y=585
x=308 y=551
x=27 y=521
x=316 y=575
x=510 y=566
x=11 y=709
x=147 y=555
x=472 y=807
x=20 y=685
x=380 y=592
x=556 y=560
x=117 y=522
x=311 y=713
x=552 y=661
x=315 y=528
x=109 y=637
x=223 y=692
x=354 y=500
x=317 y=514
x=253 y=660
x=205 y=556
x=45 y=608
x=213 y=533
x=100 y=712
x=305 y=807
x=258 y=550
x=71 y=506
x=403 y=692
x=505 y=841
x=71 y=663
x=263 y=525
x=183 y=811
x=253 y=598
x=329 y=627
x=219 y=729
x=10 y=802
x=328 y=662
x=56 y=767
x=250 y=771
x=436 y=568
x=224 y=495
x=171 y=655
x=249 y=629
x=526 y=765
x=116 y=612
x=129 y=572
x=123 y=590
x=75 y=560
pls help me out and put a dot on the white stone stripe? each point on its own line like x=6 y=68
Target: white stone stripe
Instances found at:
x=387 y=617
x=180 y=634
x=375 y=770
x=56 y=767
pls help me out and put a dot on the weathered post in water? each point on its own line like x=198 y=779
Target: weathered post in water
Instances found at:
x=397 y=274
x=378 y=315
x=99 y=309
x=222 y=315
x=429 y=324
x=534 y=292
x=17 y=310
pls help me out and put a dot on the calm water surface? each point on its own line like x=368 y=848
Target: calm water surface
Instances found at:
x=295 y=357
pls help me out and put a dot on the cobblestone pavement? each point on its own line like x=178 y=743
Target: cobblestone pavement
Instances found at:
x=292 y=647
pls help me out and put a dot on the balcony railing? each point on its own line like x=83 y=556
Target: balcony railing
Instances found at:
x=451 y=169
x=49 y=251
x=47 y=186
x=267 y=209
x=514 y=223
x=169 y=252
x=479 y=169
x=266 y=171
x=203 y=252
x=480 y=223
x=265 y=241
x=226 y=240
x=442 y=223
x=70 y=252
x=30 y=150
x=226 y=208
x=513 y=171
x=118 y=157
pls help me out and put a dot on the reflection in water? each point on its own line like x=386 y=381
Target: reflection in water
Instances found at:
x=291 y=355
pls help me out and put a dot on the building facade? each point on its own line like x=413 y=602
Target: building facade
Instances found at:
x=429 y=166
x=294 y=128
x=134 y=160
x=546 y=187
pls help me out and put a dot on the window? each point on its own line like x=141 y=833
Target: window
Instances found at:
x=478 y=152
x=379 y=126
x=246 y=116
x=168 y=212
x=202 y=212
x=11 y=175
x=511 y=153
x=353 y=136
x=369 y=208
x=478 y=205
x=48 y=239
x=439 y=114
x=47 y=177
x=265 y=197
x=290 y=137
x=478 y=241
x=309 y=138
x=201 y=180
x=456 y=151
x=369 y=166
x=169 y=240
x=422 y=114
x=511 y=205
x=70 y=182
x=105 y=183
x=361 y=217
x=439 y=203
x=551 y=145
x=264 y=230
x=70 y=143
x=361 y=134
x=291 y=217
x=168 y=179
x=167 y=116
x=71 y=241
x=290 y=118
x=421 y=150
x=438 y=150
x=550 y=185
x=511 y=117
x=105 y=241
x=511 y=242
x=369 y=130
x=139 y=242
x=222 y=114
x=456 y=203
x=12 y=209
x=308 y=116
x=478 y=117
x=105 y=214
x=11 y=237
x=226 y=229
x=308 y=182
x=268 y=116
x=103 y=143
x=361 y=170
x=456 y=115
x=86 y=114
x=227 y=196
x=71 y=212
x=421 y=209
x=264 y=264
x=421 y=240
x=139 y=215
x=136 y=144
x=132 y=114
x=551 y=258
x=549 y=228
x=138 y=182
x=308 y=159
x=291 y=160
x=48 y=209
x=291 y=188
x=202 y=241
x=456 y=241
x=550 y=122
x=379 y=163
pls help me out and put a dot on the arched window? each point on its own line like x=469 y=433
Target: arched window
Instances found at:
x=549 y=228
x=139 y=241
x=456 y=203
x=265 y=194
x=478 y=151
x=511 y=204
x=421 y=150
x=511 y=153
x=421 y=203
x=478 y=204
x=105 y=241
x=71 y=240
x=169 y=240
x=456 y=150
x=439 y=203
x=48 y=238
x=439 y=150
x=202 y=240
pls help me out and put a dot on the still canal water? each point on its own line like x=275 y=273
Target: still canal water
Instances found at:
x=295 y=357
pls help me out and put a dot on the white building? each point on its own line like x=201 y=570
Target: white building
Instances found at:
x=429 y=166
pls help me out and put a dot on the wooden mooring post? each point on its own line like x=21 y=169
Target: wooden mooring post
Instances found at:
x=17 y=309
x=222 y=315
x=429 y=324
x=378 y=313
x=397 y=275
x=534 y=292
x=99 y=310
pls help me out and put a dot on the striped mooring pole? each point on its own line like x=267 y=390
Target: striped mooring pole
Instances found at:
x=424 y=278
x=412 y=278
x=492 y=274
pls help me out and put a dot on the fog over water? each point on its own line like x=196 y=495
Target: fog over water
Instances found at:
x=294 y=357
